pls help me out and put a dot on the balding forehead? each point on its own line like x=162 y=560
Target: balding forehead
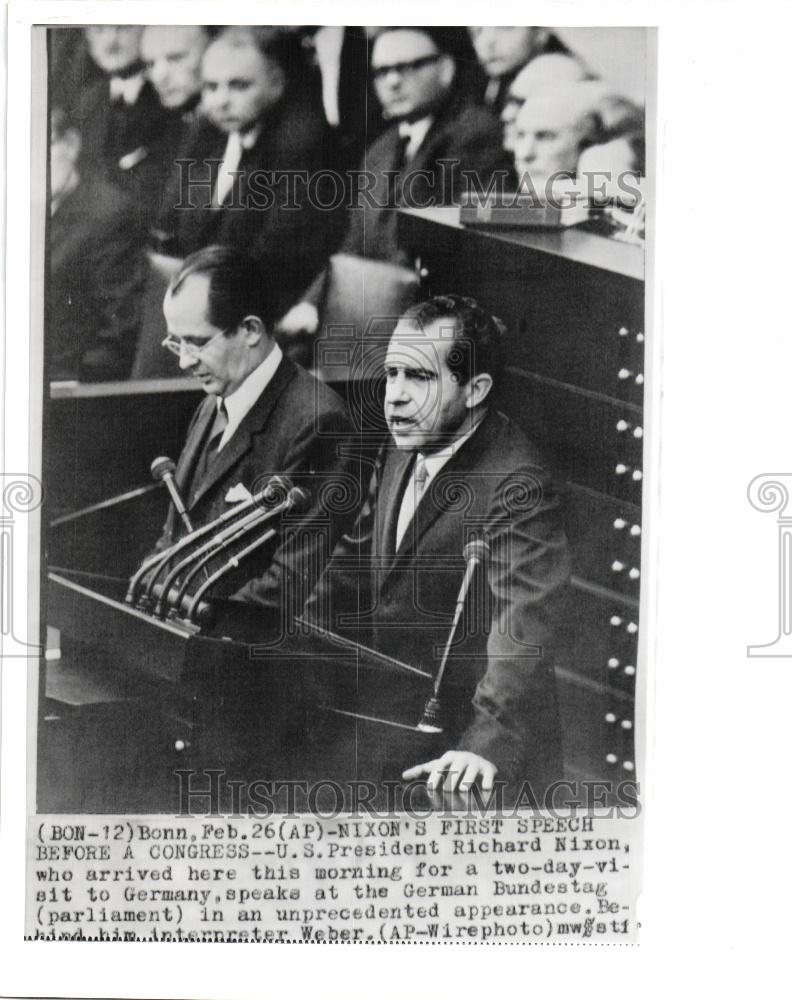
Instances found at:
x=400 y=45
x=236 y=49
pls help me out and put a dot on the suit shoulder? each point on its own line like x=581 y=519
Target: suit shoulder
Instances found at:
x=473 y=119
x=380 y=146
x=314 y=395
x=509 y=447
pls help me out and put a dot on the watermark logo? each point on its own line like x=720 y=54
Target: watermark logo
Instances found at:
x=770 y=493
x=21 y=494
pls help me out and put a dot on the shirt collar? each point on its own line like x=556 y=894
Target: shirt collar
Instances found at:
x=127 y=87
x=415 y=133
x=249 y=139
x=241 y=401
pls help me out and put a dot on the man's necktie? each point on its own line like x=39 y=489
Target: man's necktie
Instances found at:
x=225 y=176
x=211 y=447
x=416 y=487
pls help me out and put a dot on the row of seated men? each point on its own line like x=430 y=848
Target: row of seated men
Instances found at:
x=378 y=556
x=290 y=145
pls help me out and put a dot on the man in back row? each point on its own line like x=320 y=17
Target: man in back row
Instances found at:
x=453 y=470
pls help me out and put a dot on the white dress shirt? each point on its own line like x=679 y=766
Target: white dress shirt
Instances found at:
x=241 y=401
x=328 y=42
x=126 y=88
x=237 y=143
x=415 y=133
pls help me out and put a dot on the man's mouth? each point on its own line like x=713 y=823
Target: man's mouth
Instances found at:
x=400 y=423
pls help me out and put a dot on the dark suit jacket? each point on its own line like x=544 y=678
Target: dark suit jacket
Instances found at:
x=290 y=241
x=499 y=687
x=131 y=146
x=466 y=136
x=94 y=282
x=296 y=429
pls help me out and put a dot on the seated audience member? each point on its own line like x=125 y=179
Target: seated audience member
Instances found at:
x=552 y=128
x=235 y=183
x=393 y=581
x=95 y=269
x=504 y=51
x=436 y=135
x=72 y=70
x=551 y=70
x=614 y=167
x=172 y=62
x=121 y=121
x=338 y=80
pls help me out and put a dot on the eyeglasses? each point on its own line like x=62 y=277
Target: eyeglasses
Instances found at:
x=178 y=344
x=404 y=68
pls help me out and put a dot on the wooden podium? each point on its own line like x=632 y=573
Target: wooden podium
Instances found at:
x=287 y=703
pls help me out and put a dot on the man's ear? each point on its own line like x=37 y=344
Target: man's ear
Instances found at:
x=254 y=330
x=478 y=388
x=447 y=70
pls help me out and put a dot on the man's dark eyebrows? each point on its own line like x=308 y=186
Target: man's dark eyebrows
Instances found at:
x=410 y=372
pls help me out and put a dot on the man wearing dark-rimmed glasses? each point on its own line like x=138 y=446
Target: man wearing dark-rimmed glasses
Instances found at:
x=438 y=136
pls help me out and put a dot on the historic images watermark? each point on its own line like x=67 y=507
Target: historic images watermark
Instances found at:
x=448 y=185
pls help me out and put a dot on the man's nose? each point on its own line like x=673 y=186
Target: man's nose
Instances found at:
x=525 y=148
x=186 y=358
x=396 y=390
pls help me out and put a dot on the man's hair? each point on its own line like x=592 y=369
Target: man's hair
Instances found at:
x=445 y=40
x=276 y=45
x=478 y=336
x=237 y=287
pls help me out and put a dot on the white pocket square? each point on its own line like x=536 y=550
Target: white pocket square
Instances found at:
x=131 y=160
x=238 y=493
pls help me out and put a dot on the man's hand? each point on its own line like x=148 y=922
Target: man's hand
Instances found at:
x=302 y=318
x=455 y=771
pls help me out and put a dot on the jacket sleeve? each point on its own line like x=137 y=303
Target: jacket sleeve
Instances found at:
x=319 y=461
x=515 y=721
x=344 y=590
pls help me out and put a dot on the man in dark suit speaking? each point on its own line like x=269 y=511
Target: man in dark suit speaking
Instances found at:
x=454 y=470
x=263 y=416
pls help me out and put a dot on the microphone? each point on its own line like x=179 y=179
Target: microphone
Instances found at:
x=162 y=470
x=297 y=501
x=272 y=490
x=475 y=553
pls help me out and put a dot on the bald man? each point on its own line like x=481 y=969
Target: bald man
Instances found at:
x=553 y=127
x=257 y=131
x=550 y=70
x=172 y=62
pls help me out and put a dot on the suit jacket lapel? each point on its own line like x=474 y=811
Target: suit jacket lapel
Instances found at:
x=394 y=477
x=254 y=422
x=444 y=487
x=194 y=443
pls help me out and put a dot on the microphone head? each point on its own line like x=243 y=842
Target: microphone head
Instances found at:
x=476 y=549
x=299 y=499
x=276 y=491
x=161 y=467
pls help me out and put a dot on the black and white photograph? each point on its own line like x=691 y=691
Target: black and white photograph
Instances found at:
x=394 y=544
x=343 y=375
